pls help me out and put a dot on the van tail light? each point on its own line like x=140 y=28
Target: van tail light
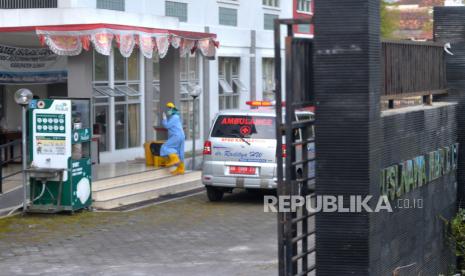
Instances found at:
x=284 y=150
x=207 y=148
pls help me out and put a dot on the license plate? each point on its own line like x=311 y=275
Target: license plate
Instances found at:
x=242 y=170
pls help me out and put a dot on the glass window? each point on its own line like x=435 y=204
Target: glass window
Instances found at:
x=304 y=5
x=117 y=5
x=28 y=4
x=176 y=9
x=229 y=83
x=126 y=69
x=101 y=126
x=271 y=3
x=258 y=127
x=228 y=16
x=134 y=125
x=120 y=126
x=120 y=66
x=268 y=79
x=133 y=66
x=156 y=68
x=193 y=70
x=303 y=28
x=100 y=67
x=127 y=107
x=126 y=95
x=156 y=92
x=100 y=100
x=189 y=81
x=268 y=19
x=187 y=115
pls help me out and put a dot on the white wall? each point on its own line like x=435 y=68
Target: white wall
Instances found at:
x=77 y=3
x=234 y=41
x=64 y=16
x=12 y=119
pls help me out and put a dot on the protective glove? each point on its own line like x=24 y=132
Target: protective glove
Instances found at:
x=163 y=115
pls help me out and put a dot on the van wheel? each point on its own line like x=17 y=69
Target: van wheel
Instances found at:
x=214 y=194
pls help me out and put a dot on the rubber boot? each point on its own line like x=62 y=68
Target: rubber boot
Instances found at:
x=174 y=160
x=179 y=170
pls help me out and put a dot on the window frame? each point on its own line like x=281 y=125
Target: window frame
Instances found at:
x=266 y=16
x=181 y=18
x=301 y=4
x=268 y=74
x=105 y=5
x=225 y=23
x=103 y=94
x=186 y=100
x=227 y=100
x=156 y=91
x=101 y=100
x=271 y=3
x=127 y=99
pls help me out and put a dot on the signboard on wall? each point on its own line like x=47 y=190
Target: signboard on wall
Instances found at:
x=31 y=65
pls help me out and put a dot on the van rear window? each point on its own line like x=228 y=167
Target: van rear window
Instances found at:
x=258 y=127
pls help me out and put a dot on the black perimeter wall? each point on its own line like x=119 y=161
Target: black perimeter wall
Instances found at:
x=449 y=26
x=415 y=235
x=355 y=141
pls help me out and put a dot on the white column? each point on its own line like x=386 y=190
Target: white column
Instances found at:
x=142 y=97
x=111 y=116
x=198 y=142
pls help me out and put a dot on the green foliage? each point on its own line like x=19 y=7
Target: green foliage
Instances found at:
x=457 y=232
x=456 y=238
x=390 y=19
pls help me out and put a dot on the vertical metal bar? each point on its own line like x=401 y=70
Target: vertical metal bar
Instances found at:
x=24 y=156
x=193 y=133
x=1 y=173
x=290 y=158
x=279 y=151
x=304 y=65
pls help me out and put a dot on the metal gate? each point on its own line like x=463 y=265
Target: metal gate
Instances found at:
x=295 y=150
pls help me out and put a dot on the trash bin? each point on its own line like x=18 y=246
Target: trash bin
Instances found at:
x=148 y=153
x=155 y=148
x=152 y=154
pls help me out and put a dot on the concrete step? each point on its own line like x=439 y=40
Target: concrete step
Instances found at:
x=133 y=192
x=124 y=180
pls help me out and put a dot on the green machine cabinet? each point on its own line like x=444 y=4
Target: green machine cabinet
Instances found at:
x=60 y=172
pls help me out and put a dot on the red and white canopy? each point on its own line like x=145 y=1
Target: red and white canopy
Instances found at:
x=69 y=40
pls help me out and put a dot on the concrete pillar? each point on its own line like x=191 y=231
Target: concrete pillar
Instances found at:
x=347 y=84
x=206 y=94
x=111 y=116
x=80 y=75
x=148 y=100
x=253 y=65
x=143 y=106
x=170 y=75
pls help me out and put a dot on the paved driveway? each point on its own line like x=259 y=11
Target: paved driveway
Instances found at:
x=188 y=236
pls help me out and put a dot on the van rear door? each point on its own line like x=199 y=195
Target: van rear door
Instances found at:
x=245 y=143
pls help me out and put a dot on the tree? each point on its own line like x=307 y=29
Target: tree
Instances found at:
x=389 y=20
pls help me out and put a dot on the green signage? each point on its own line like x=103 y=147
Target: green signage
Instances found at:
x=399 y=179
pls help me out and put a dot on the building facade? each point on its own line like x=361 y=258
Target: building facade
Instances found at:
x=129 y=92
x=303 y=9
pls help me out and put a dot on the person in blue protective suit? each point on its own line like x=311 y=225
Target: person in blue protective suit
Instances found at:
x=173 y=148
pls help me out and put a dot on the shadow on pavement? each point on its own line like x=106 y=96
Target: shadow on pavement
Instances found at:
x=254 y=197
